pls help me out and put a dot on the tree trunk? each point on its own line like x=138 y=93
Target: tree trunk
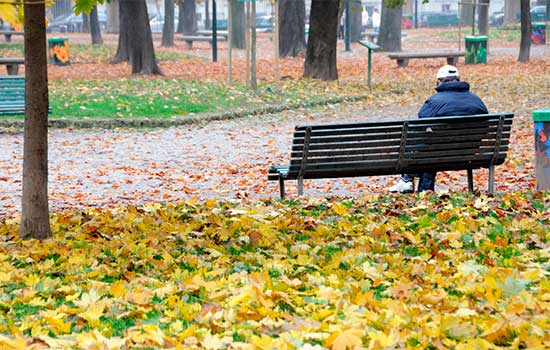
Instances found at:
x=207 y=23
x=189 y=17
x=483 y=18
x=135 y=42
x=356 y=19
x=95 y=28
x=511 y=9
x=85 y=24
x=238 y=29
x=113 y=23
x=320 y=62
x=466 y=13
x=292 y=41
x=180 y=18
x=525 y=44
x=168 y=25
x=34 y=203
x=390 y=28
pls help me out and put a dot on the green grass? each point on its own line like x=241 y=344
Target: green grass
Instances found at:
x=87 y=53
x=511 y=34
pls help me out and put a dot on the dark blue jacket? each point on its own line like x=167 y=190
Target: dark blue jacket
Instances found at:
x=452 y=98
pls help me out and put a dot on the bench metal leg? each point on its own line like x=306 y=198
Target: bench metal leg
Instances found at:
x=189 y=44
x=452 y=61
x=300 y=186
x=8 y=37
x=470 y=181
x=402 y=62
x=491 y=179
x=282 y=187
x=13 y=69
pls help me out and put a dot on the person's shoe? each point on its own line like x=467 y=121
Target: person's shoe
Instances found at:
x=403 y=187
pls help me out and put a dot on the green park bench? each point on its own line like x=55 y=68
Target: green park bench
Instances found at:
x=12 y=64
x=12 y=95
x=397 y=147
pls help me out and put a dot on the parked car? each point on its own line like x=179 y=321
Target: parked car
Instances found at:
x=157 y=23
x=497 y=18
x=73 y=23
x=538 y=14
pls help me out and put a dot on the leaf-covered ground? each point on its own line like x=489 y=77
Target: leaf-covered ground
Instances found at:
x=378 y=272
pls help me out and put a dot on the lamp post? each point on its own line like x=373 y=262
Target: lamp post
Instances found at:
x=214 y=32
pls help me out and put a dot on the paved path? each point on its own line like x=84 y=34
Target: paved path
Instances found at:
x=221 y=159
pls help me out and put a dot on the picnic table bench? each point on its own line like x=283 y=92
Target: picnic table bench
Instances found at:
x=12 y=95
x=12 y=64
x=190 y=38
x=224 y=33
x=9 y=33
x=397 y=147
x=404 y=57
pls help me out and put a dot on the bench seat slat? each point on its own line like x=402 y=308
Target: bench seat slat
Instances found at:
x=346 y=152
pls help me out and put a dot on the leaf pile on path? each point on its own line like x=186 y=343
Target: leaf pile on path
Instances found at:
x=385 y=272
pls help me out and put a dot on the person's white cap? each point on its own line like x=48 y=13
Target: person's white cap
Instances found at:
x=447 y=71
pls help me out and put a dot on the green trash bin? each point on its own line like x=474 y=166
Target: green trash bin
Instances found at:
x=538 y=33
x=59 y=51
x=476 y=49
x=541 y=118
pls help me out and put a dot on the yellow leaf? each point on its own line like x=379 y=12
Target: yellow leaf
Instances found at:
x=154 y=334
x=95 y=340
x=211 y=342
x=139 y=298
x=93 y=313
x=380 y=339
x=347 y=340
x=263 y=343
x=118 y=289
x=16 y=343
x=8 y=13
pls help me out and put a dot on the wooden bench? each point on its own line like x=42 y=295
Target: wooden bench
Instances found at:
x=9 y=33
x=404 y=57
x=397 y=147
x=190 y=38
x=12 y=95
x=12 y=64
x=371 y=36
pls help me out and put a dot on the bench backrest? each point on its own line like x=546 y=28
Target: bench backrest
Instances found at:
x=12 y=94
x=395 y=147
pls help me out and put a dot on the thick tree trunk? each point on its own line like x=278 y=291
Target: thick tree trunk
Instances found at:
x=467 y=13
x=179 y=29
x=483 y=17
x=525 y=44
x=94 y=27
x=320 y=62
x=135 y=42
x=189 y=17
x=355 y=18
x=85 y=24
x=292 y=41
x=207 y=23
x=390 y=28
x=511 y=9
x=35 y=214
x=113 y=23
x=168 y=25
x=239 y=22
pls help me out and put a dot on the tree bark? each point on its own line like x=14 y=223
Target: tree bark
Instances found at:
x=95 y=28
x=238 y=29
x=525 y=44
x=207 y=23
x=135 y=42
x=180 y=18
x=320 y=62
x=389 y=37
x=168 y=25
x=189 y=17
x=292 y=41
x=356 y=19
x=483 y=18
x=113 y=23
x=34 y=203
x=466 y=13
x=85 y=24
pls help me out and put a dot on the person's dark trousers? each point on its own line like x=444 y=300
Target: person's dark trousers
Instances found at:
x=426 y=182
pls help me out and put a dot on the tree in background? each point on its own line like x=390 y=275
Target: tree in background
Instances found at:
x=113 y=23
x=320 y=62
x=35 y=214
x=292 y=41
x=483 y=17
x=168 y=25
x=389 y=37
x=135 y=42
x=238 y=29
x=189 y=17
x=95 y=29
x=525 y=44
x=355 y=20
